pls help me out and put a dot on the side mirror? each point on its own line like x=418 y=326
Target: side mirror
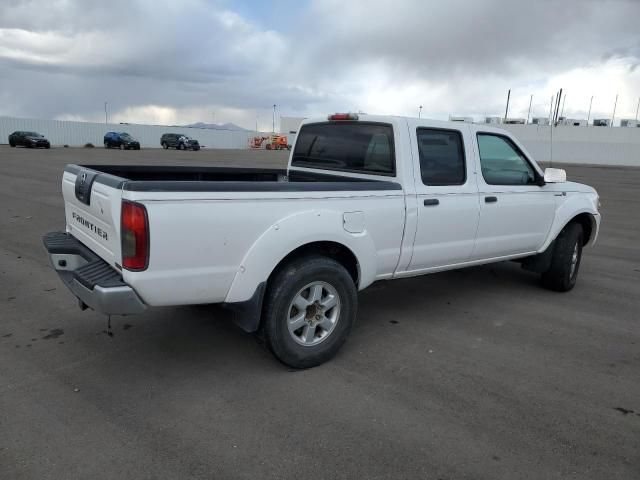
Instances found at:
x=555 y=175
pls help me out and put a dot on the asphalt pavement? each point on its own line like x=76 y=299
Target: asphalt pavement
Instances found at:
x=471 y=374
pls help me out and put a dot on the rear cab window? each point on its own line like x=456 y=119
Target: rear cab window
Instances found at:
x=346 y=146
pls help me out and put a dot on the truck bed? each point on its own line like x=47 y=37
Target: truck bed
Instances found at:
x=178 y=178
x=203 y=223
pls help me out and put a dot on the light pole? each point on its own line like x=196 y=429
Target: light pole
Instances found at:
x=420 y=112
x=105 y=114
x=506 y=110
x=274 y=118
x=614 y=110
x=589 y=114
x=529 y=112
x=637 y=108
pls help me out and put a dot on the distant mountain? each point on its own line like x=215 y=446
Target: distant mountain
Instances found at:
x=214 y=126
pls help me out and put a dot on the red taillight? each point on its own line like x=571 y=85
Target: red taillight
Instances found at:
x=134 y=233
x=343 y=116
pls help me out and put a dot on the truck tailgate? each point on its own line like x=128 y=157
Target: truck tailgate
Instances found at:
x=92 y=203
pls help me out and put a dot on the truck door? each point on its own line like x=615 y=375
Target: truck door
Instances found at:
x=447 y=196
x=516 y=212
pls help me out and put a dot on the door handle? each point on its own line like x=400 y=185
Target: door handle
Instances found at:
x=431 y=202
x=490 y=199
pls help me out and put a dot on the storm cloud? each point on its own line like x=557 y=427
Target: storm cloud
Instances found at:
x=179 y=62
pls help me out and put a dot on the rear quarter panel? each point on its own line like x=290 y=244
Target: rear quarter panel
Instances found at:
x=215 y=247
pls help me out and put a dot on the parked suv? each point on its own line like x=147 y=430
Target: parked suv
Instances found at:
x=28 y=139
x=179 y=142
x=121 y=140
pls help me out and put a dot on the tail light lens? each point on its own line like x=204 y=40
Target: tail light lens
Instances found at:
x=134 y=233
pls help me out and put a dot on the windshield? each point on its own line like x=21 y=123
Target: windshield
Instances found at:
x=126 y=136
x=32 y=134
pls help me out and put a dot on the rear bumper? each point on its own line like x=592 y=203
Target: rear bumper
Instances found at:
x=92 y=280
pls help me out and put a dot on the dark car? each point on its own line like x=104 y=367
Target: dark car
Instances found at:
x=28 y=139
x=179 y=141
x=121 y=140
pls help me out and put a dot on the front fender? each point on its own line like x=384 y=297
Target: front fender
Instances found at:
x=293 y=232
x=573 y=206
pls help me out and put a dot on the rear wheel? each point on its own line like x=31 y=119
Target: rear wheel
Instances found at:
x=309 y=310
x=181 y=146
x=106 y=145
x=11 y=144
x=122 y=146
x=565 y=260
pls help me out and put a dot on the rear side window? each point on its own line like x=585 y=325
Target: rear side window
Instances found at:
x=442 y=160
x=357 y=147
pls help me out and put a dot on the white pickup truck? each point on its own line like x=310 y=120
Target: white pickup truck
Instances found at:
x=364 y=198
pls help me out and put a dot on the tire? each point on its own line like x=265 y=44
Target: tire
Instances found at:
x=47 y=146
x=181 y=146
x=322 y=331
x=12 y=145
x=565 y=260
x=106 y=145
x=122 y=147
x=164 y=145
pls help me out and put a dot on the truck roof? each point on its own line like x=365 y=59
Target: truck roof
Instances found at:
x=394 y=118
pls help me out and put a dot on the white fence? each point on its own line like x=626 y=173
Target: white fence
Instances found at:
x=79 y=133
x=585 y=145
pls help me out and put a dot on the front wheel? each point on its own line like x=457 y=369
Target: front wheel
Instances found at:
x=181 y=146
x=11 y=144
x=122 y=147
x=164 y=145
x=565 y=259
x=309 y=310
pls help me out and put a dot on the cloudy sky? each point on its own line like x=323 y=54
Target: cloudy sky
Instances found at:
x=178 y=62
